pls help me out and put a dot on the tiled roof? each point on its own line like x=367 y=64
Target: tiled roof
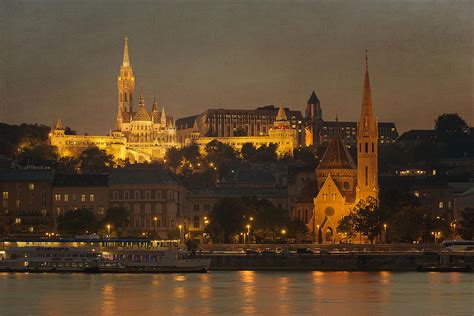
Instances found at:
x=141 y=176
x=12 y=175
x=79 y=180
x=336 y=156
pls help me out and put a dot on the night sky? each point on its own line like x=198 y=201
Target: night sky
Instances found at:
x=61 y=58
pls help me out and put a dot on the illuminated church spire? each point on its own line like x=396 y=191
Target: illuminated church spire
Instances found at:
x=126 y=59
x=125 y=82
x=367 y=143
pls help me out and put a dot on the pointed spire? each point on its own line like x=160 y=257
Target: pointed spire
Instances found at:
x=281 y=116
x=313 y=99
x=142 y=98
x=154 y=107
x=367 y=118
x=163 y=116
x=126 y=59
x=59 y=124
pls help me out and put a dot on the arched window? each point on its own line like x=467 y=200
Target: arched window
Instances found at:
x=360 y=147
x=366 y=147
x=366 y=176
x=373 y=147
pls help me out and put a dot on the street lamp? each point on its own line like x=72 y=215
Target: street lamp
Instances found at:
x=385 y=235
x=283 y=232
x=180 y=230
x=248 y=233
x=156 y=221
x=108 y=230
x=251 y=218
x=317 y=233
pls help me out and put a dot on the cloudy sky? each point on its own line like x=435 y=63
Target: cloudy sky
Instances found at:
x=62 y=57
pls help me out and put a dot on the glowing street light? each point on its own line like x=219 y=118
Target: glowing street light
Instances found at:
x=248 y=233
x=180 y=231
x=108 y=229
x=156 y=221
x=385 y=234
x=283 y=232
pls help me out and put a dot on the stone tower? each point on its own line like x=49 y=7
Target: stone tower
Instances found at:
x=367 y=149
x=125 y=83
x=314 y=116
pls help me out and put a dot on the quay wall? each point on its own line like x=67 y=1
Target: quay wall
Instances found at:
x=337 y=262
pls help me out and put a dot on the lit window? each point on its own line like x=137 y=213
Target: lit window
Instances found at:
x=18 y=221
x=58 y=211
x=441 y=204
x=83 y=197
x=91 y=197
x=66 y=197
x=17 y=203
x=31 y=186
x=416 y=193
x=5 y=195
x=57 y=197
x=44 y=212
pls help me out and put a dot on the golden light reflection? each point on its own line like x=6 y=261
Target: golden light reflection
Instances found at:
x=248 y=291
x=108 y=300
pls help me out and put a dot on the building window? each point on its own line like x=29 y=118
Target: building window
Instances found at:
x=366 y=176
x=5 y=195
x=115 y=195
x=136 y=208
x=126 y=195
x=31 y=186
x=196 y=222
x=83 y=197
x=136 y=195
x=416 y=193
x=158 y=194
x=158 y=208
x=73 y=197
x=366 y=147
x=440 y=204
x=91 y=197
x=44 y=212
x=101 y=210
x=57 y=197
x=373 y=147
x=147 y=195
x=147 y=208
x=18 y=221
x=206 y=207
x=66 y=197
x=196 y=207
x=58 y=211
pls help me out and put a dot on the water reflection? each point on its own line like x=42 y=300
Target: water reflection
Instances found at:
x=233 y=293
x=248 y=291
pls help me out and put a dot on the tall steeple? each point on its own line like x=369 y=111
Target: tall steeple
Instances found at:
x=126 y=59
x=125 y=82
x=281 y=120
x=163 y=117
x=367 y=144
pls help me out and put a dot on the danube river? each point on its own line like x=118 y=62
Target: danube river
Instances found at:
x=232 y=293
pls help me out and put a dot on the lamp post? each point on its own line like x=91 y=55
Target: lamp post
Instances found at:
x=180 y=231
x=108 y=230
x=385 y=233
x=317 y=233
x=248 y=233
x=283 y=233
x=156 y=221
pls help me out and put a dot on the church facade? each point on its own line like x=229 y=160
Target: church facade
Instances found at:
x=341 y=184
x=138 y=135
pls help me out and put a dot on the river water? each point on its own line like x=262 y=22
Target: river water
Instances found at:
x=236 y=293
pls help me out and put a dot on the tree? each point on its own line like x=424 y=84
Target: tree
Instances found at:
x=67 y=165
x=226 y=219
x=266 y=153
x=118 y=218
x=40 y=154
x=451 y=124
x=466 y=225
x=173 y=157
x=270 y=220
x=346 y=227
x=367 y=218
x=248 y=151
x=95 y=160
x=298 y=230
x=77 y=222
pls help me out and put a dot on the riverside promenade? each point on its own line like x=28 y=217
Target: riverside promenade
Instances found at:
x=359 y=257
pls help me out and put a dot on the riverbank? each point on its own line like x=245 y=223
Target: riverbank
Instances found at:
x=393 y=261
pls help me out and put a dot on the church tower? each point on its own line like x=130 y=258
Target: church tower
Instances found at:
x=125 y=83
x=314 y=116
x=367 y=145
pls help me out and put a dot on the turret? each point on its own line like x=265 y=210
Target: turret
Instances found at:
x=125 y=82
